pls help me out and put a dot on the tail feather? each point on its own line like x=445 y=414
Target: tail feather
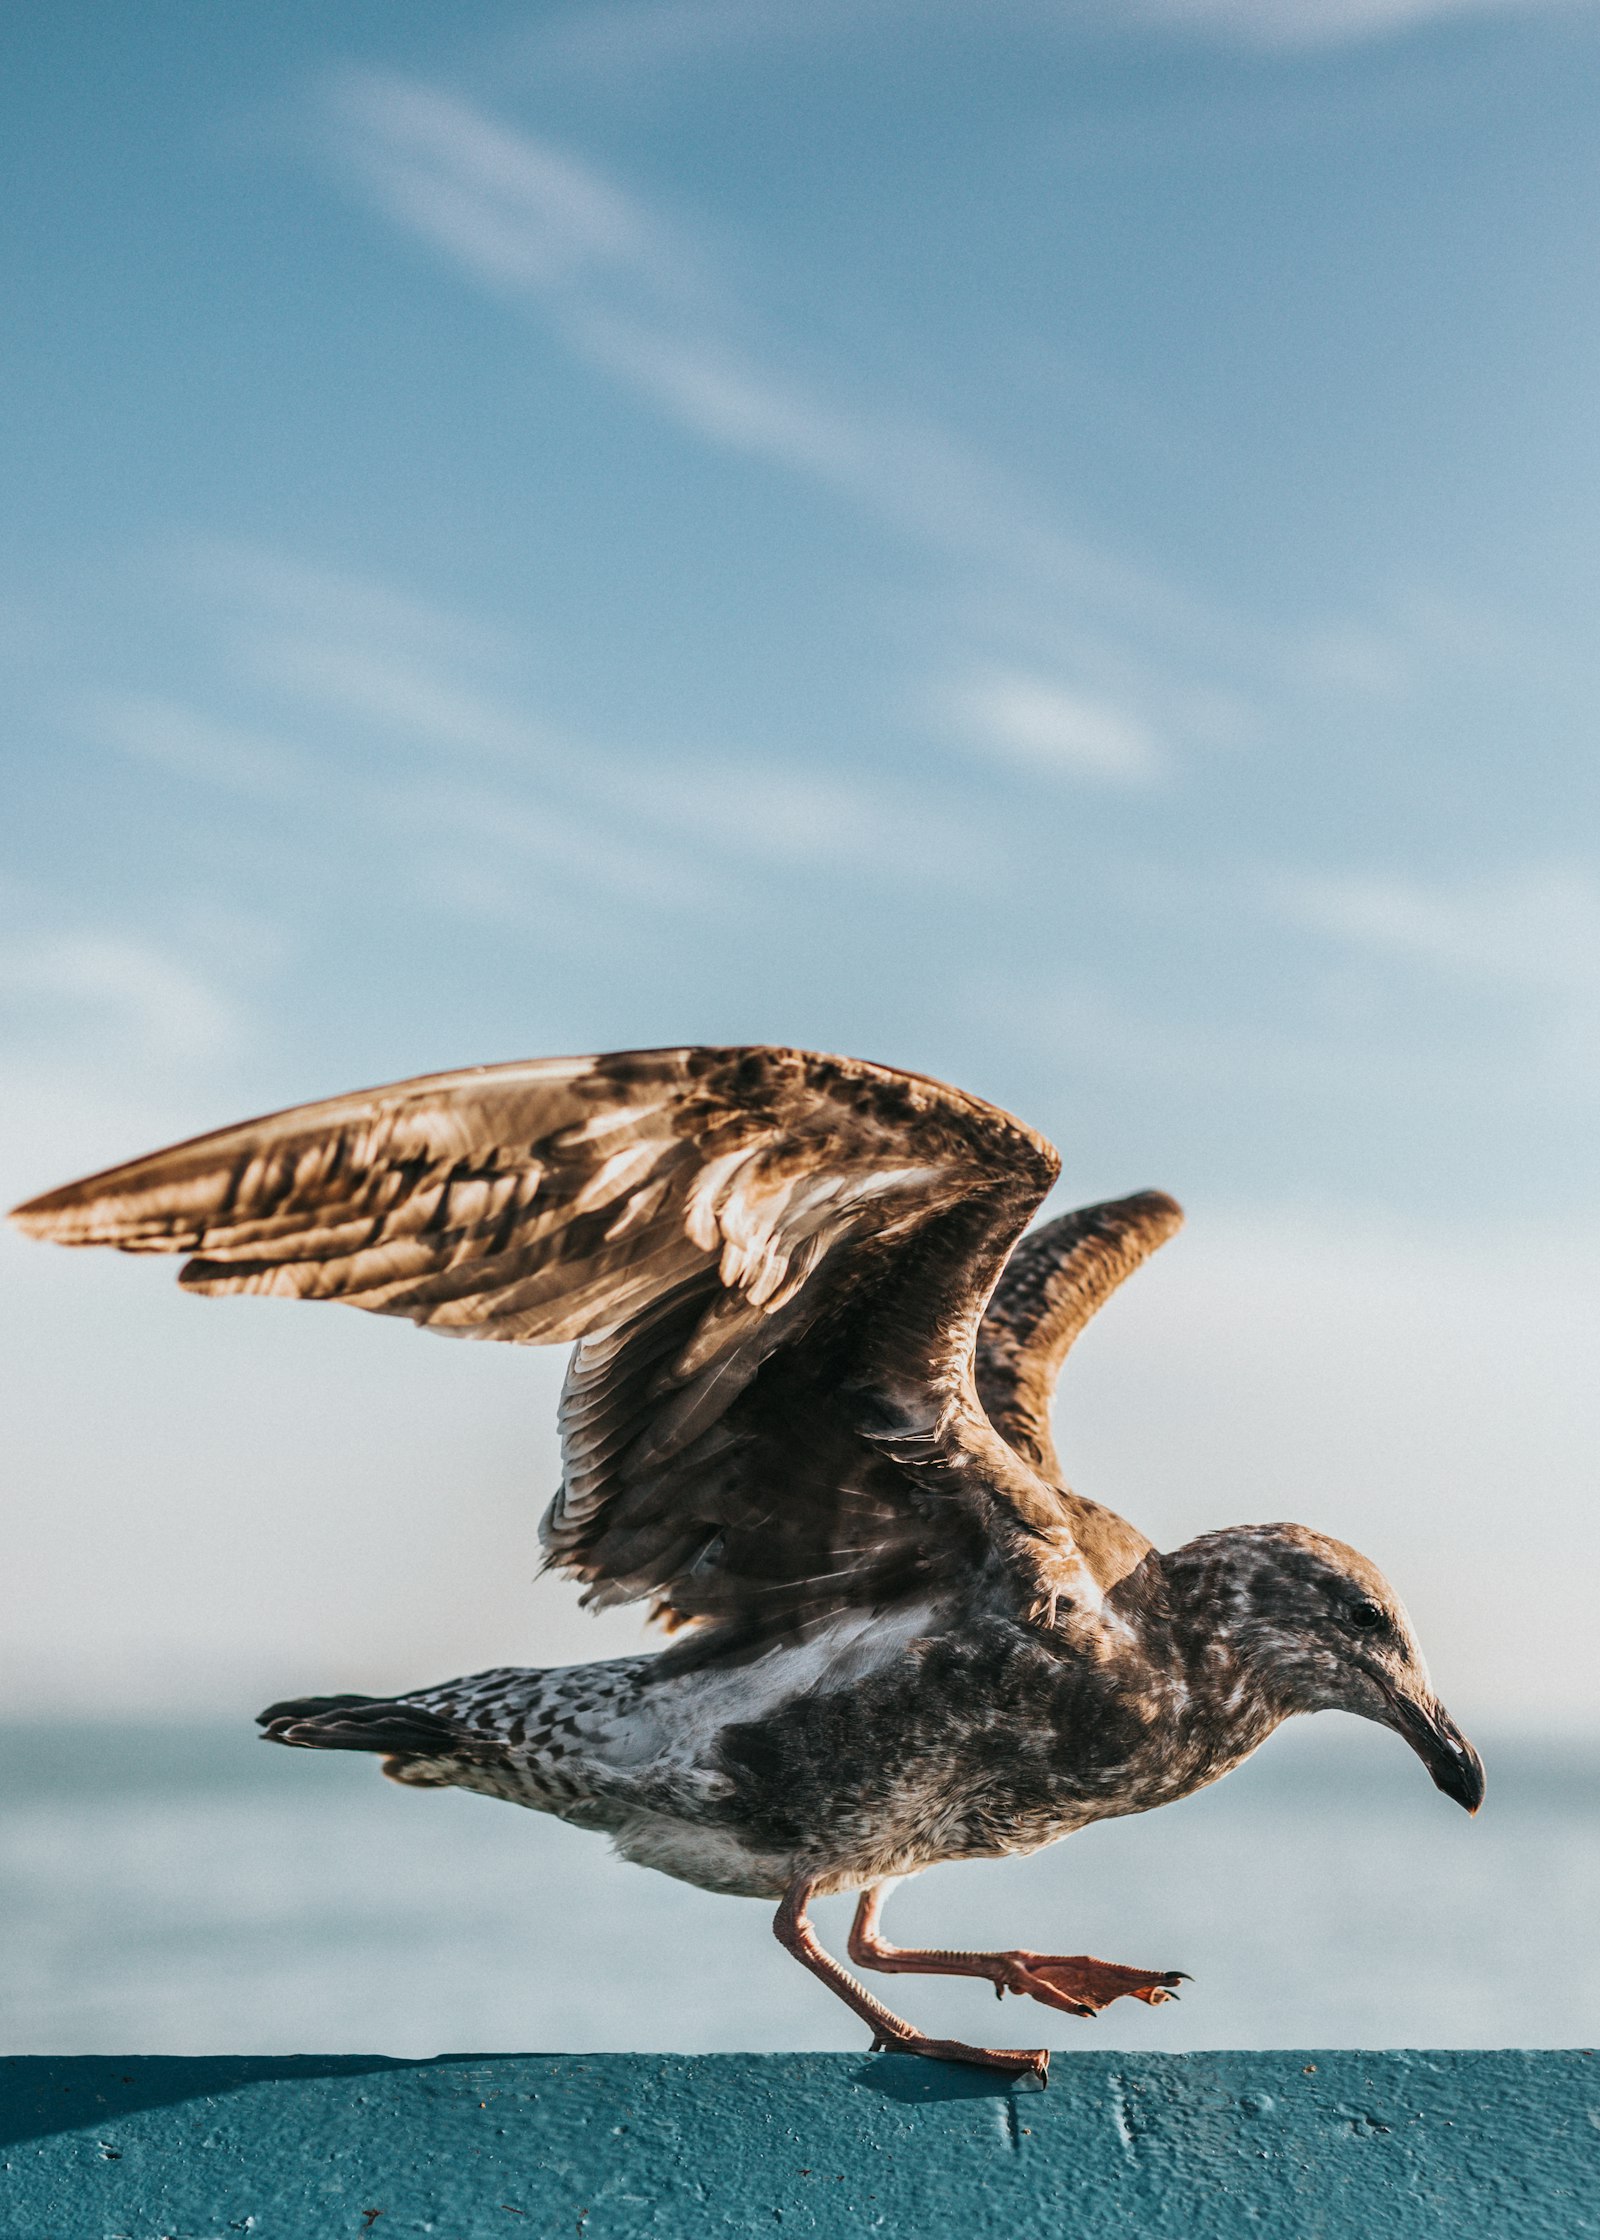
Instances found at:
x=390 y=1727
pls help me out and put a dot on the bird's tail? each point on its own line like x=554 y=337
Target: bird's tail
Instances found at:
x=420 y=1746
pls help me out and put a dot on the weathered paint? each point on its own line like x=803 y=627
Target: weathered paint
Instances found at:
x=1204 y=2146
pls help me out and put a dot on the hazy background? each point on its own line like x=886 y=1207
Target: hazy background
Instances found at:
x=1052 y=544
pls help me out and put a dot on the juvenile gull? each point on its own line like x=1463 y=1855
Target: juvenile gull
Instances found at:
x=807 y=1421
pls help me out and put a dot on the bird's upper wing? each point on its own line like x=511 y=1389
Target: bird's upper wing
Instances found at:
x=1053 y=1282
x=774 y=1264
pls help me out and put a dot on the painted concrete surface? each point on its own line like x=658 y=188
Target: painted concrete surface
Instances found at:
x=1318 y=2146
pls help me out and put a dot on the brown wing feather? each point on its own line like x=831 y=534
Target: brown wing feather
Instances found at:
x=1055 y=1280
x=775 y=1263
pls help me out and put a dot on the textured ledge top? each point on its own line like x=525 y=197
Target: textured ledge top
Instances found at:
x=1202 y=2146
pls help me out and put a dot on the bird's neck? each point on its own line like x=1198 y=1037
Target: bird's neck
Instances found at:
x=1223 y=1700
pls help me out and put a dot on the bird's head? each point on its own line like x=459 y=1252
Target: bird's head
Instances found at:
x=1314 y=1626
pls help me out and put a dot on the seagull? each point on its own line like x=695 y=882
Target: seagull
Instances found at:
x=807 y=1422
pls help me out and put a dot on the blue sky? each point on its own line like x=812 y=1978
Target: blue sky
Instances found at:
x=1052 y=544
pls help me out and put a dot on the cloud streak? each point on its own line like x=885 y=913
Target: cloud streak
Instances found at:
x=1042 y=724
x=627 y=40
x=1537 y=928
x=398 y=742
x=170 y=736
x=1321 y=23
x=135 y=988
x=516 y=212
x=391 y=691
x=629 y=295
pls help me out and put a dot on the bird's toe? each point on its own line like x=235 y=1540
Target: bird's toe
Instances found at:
x=1013 y=2061
x=1050 y=1991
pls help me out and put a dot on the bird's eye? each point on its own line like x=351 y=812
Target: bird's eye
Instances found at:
x=1367 y=1617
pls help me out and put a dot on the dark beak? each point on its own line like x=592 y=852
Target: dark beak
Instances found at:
x=1449 y=1757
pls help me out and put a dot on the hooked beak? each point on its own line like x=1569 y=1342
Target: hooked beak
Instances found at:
x=1449 y=1757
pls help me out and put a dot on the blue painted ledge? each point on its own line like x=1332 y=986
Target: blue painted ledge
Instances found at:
x=1201 y=2146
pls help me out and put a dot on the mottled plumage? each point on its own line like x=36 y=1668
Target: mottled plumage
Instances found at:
x=807 y=1420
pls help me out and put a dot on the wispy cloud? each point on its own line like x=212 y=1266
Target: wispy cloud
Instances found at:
x=127 y=987
x=1054 y=728
x=188 y=744
x=515 y=211
x=401 y=695
x=676 y=828
x=1321 y=23
x=1492 y=980
x=643 y=35
x=467 y=757
x=730 y=400
x=1536 y=928
x=264 y=585
x=628 y=293
x=403 y=743
x=503 y=850
x=761 y=816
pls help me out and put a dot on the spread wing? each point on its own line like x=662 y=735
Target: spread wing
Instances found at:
x=774 y=1265
x=1054 y=1281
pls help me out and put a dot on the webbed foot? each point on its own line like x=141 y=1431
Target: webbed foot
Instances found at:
x=1076 y=1984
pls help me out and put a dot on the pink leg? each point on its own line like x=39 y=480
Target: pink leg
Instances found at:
x=1076 y=1984
x=795 y=1933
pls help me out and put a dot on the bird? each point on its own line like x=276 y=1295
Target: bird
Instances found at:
x=806 y=1423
